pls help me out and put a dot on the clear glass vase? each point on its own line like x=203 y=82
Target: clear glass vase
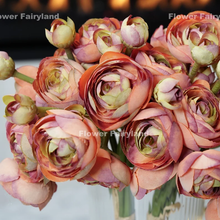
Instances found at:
x=184 y=208
x=103 y=206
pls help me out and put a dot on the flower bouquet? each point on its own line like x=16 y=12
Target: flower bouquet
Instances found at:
x=109 y=108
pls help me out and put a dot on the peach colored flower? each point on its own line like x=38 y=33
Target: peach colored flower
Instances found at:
x=20 y=139
x=145 y=181
x=134 y=32
x=7 y=66
x=158 y=38
x=153 y=139
x=109 y=172
x=194 y=37
x=62 y=33
x=20 y=109
x=35 y=194
x=85 y=49
x=65 y=145
x=57 y=82
x=212 y=211
x=198 y=117
x=111 y=90
x=198 y=175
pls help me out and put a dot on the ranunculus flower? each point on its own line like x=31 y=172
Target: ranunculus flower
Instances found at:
x=107 y=41
x=35 y=194
x=198 y=118
x=153 y=139
x=161 y=60
x=65 y=144
x=145 y=181
x=212 y=211
x=57 y=82
x=109 y=172
x=111 y=90
x=134 y=32
x=7 y=66
x=23 y=87
x=20 y=109
x=20 y=139
x=205 y=73
x=194 y=37
x=62 y=33
x=85 y=49
x=158 y=38
x=198 y=175
x=168 y=93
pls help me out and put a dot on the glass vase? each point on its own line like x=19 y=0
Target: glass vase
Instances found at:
x=184 y=208
x=105 y=205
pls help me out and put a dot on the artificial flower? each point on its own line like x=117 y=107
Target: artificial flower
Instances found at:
x=111 y=90
x=109 y=172
x=62 y=33
x=198 y=175
x=20 y=109
x=7 y=66
x=57 y=82
x=153 y=139
x=34 y=194
x=198 y=117
x=85 y=49
x=65 y=144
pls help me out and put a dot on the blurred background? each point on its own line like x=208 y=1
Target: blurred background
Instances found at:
x=24 y=38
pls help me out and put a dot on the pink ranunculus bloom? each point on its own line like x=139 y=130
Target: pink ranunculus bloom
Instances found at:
x=198 y=175
x=65 y=144
x=62 y=33
x=153 y=139
x=134 y=32
x=158 y=38
x=212 y=211
x=109 y=172
x=35 y=194
x=57 y=82
x=20 y=139
x=20 y=109
x=7 y=66
x=161 y=60
x=85 y=49
x=198 y=117
x=111 y=90
x=107 y=41
x=194 y=37
x=145 y=181
x=23 y=87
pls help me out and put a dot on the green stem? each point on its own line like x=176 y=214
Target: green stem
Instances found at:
x=23 y=77
x=113 y=142
x=216 y=86
x=126 y=203
x=194 y=70
x=69 y=54
x=128 y=51
x=104 y=140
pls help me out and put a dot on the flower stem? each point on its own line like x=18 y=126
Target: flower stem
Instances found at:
x=194 y=70
x=23 y=77
x=69 y=54
x=123 y=204
x=104 y=140
x=216 y=86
